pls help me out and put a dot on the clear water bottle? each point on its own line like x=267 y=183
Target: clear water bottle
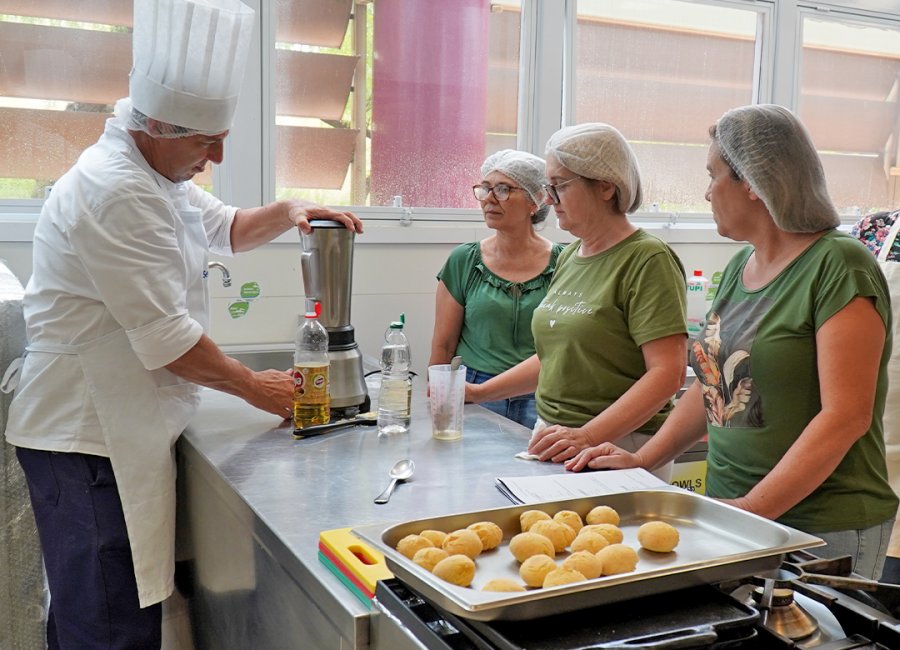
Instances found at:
x=311 y=364
x=697 y=288
x=395 y=394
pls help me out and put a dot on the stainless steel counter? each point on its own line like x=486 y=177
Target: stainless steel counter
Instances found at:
x=254 y=501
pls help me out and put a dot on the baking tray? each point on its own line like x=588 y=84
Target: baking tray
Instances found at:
x=718 y=542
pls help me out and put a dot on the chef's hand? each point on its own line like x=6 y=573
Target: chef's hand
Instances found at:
x=558 y=443
x=604 y=456
x=302 y=212
x=273 y=391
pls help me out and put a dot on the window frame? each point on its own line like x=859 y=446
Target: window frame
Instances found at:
x=246 y=177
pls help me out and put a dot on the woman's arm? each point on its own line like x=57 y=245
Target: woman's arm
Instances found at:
x=448 y=322
x=665 y=359
x=848 y=375
x=521 y=379
x=685 y=425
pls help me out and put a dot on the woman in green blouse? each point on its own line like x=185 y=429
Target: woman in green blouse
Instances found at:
x=487 y=290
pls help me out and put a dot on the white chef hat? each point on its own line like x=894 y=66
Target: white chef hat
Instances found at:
x=189 y=60
x=596 y=150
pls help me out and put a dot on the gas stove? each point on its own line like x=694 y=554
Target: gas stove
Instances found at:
x=807 y=603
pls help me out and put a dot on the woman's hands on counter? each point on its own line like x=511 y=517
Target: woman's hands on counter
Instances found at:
x=558 y=443
x=604 y=456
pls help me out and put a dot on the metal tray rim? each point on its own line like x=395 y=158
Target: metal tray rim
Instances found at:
x=481 y=605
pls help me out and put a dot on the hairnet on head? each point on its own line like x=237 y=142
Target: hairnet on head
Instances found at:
x=596 y=150
x=524 y=168
x=133 y=120
x=767 y=146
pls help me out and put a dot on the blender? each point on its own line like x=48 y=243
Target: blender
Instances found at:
x=327 y=267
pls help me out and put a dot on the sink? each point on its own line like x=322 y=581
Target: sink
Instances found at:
x=262 y=358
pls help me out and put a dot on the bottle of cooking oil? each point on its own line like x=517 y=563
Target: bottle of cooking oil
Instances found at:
x=311 y=399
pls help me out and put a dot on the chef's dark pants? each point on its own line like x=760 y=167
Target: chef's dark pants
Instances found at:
x=93 y=593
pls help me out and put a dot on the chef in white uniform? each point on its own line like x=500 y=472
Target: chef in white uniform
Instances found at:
x=116 y=314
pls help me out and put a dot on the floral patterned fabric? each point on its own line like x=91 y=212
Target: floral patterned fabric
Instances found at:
x=872 y=229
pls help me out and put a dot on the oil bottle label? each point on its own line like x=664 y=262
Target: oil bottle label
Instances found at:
x=311 y=384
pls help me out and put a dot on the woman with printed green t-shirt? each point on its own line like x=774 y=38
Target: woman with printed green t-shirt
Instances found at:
x=610 y=333
x=792 y=361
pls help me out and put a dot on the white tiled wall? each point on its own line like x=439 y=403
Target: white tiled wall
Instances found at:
x=388 y=278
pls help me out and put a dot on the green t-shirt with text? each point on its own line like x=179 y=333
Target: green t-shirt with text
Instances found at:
x=598 y=312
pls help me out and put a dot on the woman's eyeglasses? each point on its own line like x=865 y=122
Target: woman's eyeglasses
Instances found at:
x=501 y=191
x=552 y=191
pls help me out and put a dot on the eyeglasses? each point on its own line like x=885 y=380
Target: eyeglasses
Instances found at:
x=552 y=189
x=501 y=191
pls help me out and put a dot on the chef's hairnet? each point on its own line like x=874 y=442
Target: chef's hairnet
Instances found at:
x=767 y=146
x=133 y=120
x=599 y=151
x=524 y=168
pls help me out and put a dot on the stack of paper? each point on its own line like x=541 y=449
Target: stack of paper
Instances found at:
x=558 y=487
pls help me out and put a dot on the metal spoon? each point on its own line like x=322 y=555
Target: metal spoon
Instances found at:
x=401 y=471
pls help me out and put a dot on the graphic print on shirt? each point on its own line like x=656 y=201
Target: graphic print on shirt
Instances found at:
x=721 y=358
x=565 y=302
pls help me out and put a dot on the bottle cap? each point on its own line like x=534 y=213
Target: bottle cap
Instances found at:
x=398 y=324
x=317 y=309
x=698 y=272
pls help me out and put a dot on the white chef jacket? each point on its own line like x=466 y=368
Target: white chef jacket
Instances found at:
x=118 y=291
x=105 y=257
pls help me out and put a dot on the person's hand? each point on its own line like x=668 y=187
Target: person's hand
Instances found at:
x=604 y=456
x=472 y=393
x=273 y=391
x=558 y=443
x=301 y=212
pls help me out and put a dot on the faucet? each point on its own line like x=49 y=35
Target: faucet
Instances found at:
x=226 y=276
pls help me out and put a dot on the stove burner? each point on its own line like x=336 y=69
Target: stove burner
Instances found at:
x=784 y=615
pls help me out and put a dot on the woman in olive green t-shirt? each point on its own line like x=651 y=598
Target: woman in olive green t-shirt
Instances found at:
x=610 y=334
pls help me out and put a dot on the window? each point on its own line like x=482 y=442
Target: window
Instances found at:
x=64 y=64
x=400 y=98
x=662 y=71
x=849 y=89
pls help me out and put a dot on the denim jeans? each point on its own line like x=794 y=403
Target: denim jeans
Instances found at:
x=521 y=409
x=867 y=547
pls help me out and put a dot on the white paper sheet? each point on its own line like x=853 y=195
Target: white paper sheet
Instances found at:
x=558 y=487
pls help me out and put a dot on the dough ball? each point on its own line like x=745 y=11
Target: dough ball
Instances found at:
x=562 y=576
x=456 y=569
x=436 y=537
x=658 y=536
x=529 y=517
x=428 y=557
x=463 y=542
x=602 y=515
x=490 y=534
x=503 y=584
x=554 y=531
x=412 y=543
x=617 y=558
x=613 y=534
x=524 y=545
x=586 y=563
x=570 y=518
x=589 y=541
x=535 y=569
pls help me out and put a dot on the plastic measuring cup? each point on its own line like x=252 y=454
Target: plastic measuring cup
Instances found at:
x=448 y=396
